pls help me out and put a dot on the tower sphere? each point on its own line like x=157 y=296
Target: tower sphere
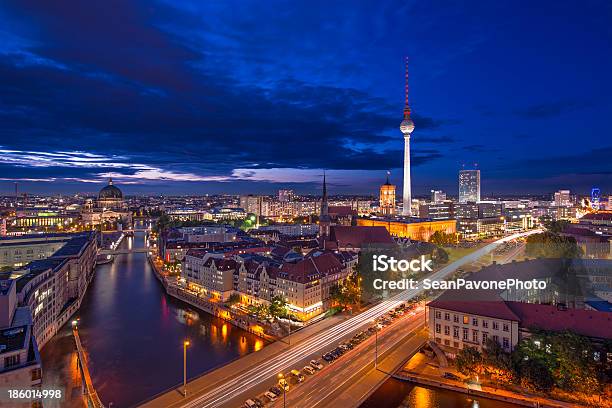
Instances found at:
x=407 y=126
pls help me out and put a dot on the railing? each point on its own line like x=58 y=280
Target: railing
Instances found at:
x=93 y=400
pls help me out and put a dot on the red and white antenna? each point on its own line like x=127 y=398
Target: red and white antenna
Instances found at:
x=406 y=106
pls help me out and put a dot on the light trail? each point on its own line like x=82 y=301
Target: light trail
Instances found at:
x=270 y=368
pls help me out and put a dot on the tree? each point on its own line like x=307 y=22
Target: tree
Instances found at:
x=233 y=299
x=440 y=255
x=468 y=361
x=347 y=293
x=278 y=307
x=552 y=245
x=535 y=375
x=556 y=226
x=497 y=361
x=442 y=238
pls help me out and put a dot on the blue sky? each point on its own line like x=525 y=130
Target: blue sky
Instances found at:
x=239 y=96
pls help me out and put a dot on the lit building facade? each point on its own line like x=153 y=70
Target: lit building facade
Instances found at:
x=469 y=186
x=387 y=198
x=420 y=230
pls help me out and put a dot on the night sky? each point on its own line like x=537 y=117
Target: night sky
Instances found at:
x=237 y=96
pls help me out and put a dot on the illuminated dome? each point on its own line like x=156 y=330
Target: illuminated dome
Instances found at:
x=406 y=126
x=110 y=192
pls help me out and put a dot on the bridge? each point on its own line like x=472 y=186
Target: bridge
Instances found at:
x=123 y=251
x=89 y=392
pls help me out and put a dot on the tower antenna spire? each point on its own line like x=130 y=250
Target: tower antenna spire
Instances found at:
x=406 y=105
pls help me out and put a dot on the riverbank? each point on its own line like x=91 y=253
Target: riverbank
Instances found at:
x=218 y=310
x=425 y=371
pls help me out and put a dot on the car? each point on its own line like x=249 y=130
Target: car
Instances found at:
x=328 y=357
x=308 y=370
x=298 y=376
x=343 y=346
x=250 y=404
x=259 y=402
x=451 y=376
x=271 y=396
x=283 y=384
x=276 y=390
x=316 y=364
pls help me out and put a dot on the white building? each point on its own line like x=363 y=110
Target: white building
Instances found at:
x=469 y=186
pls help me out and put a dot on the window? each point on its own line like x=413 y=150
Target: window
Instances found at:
x=485 y=324
x=36 y=374
x=475 y=336
x=474 y=321
x=446 y=330
x=506 y=342
x=495 y=326
x=506 y=327
x=438 y=314
x=465 y=334
x=496 y=338
x=456 y=332
x=466 y=320
x=447 y=317
x=438 y=328
x=455 y=318
x=484 y=337
x=11 y=361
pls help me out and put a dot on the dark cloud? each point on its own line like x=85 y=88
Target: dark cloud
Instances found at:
x=549 y=109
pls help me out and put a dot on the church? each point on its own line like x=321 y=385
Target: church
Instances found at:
x=108 y=209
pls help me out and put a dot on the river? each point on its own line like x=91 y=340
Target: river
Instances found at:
x=133 y=334
x=395 y=393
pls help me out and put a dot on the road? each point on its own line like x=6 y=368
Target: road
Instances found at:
x=316 y=391
x=244 y=384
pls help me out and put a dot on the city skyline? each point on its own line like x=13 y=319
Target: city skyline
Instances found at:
x=192 y=99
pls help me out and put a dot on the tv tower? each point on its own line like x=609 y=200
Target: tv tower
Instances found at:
x=407 y=127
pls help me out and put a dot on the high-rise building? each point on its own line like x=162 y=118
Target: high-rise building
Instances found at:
x=438 y=196
x=285 y=195
x=562 y=198
x=252 y=204
x=469 y=186
x=407 y=127
x=387 y=198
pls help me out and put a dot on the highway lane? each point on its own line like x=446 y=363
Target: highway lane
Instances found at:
x=263 y=372
x=316 y=390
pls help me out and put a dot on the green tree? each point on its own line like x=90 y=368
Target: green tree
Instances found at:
x=535 y=375
x=233 y=299
x=442 y=238
x=556 y=226
x=278 y=307
x=468 y=361
x=347 y=293
x=440 y=255
x=552 y=245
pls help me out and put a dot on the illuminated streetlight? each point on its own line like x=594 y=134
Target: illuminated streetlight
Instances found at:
x=185 y=345
x=280 y=376
x=74 y=325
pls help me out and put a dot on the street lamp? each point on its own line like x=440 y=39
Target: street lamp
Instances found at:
x=74 y=325
x=376 y=347
x=280 y=376
x=185 y=345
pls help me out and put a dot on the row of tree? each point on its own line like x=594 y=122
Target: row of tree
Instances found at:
x=541 y=362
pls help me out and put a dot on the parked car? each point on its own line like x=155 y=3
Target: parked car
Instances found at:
x=308 y=370
x=271 y=396
x=283 y=384
x=250 y=404
x=276 y=390
x=298 y=376
x=259 y=402
x=328 y=357
x=316 y=364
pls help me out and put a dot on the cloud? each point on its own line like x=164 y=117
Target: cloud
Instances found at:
x=549 y=109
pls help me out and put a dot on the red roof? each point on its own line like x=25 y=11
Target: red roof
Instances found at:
x=605 y=216
x=589 y=323
x=312 y=268
x=358 y=236
x=341 y=211
x=495 y=309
